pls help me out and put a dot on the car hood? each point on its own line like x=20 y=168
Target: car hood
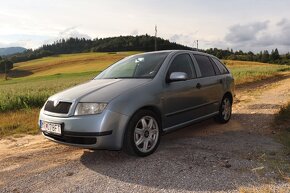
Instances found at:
x=99 y=90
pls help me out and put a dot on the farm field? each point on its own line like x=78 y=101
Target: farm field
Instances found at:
x=34 y=81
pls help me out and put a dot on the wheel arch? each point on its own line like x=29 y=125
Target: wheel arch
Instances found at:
x=152 y=108
x=229 y=94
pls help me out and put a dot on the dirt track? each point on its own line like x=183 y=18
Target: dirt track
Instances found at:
x=204 y=157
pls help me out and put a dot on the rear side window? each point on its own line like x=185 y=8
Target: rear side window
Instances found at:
x=221 y=67
x=205 y=65
x=182 y=63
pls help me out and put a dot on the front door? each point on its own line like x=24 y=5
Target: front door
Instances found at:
x=182 y=98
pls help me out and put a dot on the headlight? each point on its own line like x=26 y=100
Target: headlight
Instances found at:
x=90 y=108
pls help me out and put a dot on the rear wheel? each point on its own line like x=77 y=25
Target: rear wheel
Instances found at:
x=143 y=134
x=225 y=110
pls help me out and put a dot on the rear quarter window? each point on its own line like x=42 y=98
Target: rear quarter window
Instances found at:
x=221 y=66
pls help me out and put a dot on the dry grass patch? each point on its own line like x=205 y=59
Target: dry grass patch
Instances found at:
x=264 y=189
x=18 y=123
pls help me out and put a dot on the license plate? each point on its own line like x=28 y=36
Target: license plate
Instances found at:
x=53 y=128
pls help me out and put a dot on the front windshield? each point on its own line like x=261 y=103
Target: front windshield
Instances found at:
x=137 y=66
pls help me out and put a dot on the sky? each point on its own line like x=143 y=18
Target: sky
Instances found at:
x=248 y=25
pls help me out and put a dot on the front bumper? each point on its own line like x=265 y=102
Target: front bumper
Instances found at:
x=101 y=131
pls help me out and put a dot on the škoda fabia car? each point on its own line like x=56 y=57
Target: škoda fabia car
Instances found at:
x=131 y=103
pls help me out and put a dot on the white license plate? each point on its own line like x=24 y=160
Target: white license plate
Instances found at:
x=53 y=128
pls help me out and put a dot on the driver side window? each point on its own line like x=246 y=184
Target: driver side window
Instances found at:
x=182 y=63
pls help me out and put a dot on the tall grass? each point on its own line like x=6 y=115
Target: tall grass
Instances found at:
x=32 y=93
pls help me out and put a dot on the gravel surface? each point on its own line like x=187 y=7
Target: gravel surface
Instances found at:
x=204 y=157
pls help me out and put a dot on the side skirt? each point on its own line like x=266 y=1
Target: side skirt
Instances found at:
x=169 y=129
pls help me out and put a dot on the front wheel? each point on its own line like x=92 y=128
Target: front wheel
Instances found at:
x=143 y=134
x=225 y=110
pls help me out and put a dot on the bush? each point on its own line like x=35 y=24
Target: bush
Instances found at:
x=9 y=65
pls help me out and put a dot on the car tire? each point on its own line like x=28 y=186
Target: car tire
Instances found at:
x=225 y=110
x=142 y=136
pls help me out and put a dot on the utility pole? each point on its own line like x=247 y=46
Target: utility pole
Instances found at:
x=155 y=37
x=195 y=42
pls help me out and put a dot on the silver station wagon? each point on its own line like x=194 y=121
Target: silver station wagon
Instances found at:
x=131 y=103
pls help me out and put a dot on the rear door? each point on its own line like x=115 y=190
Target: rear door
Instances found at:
x=210 y=85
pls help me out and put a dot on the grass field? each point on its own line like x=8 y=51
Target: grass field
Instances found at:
x=46 y=76
x=21 y=97
x=246 y=72
x=69 y=63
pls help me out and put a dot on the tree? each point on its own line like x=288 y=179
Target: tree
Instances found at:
x=275 y=55
x=265 y=56
x=250 y=56
x=5 y=66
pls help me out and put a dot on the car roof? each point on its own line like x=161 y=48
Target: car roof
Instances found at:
x=180 y=51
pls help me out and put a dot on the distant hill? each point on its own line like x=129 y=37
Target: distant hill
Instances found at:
x=141 y=43
x=110 y=44
x=11 y=50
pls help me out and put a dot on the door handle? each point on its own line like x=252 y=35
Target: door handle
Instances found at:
x=198 y=85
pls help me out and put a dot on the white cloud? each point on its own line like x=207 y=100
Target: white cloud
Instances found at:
x=135 y=32
x=72 y=32
x=243 y=33
x=256 y=36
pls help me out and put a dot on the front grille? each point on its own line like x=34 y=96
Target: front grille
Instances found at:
x=73 y=140
x=61 y=108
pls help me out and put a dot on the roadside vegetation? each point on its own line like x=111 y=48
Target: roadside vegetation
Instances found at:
x=280 y=162
x=282 y=121
x=32 y=82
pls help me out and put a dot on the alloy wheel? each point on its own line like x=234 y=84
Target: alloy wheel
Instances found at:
x=146 y=134
x=226 y=109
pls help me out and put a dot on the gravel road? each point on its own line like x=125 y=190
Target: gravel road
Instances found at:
x=204 y=157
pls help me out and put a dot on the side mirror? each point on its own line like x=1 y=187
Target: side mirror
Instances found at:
x=178 y=76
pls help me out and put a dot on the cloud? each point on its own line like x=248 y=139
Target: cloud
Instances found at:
x=72 y=32
x=280 y=37
x=135 y=32
x=185 y=39
x=257 y=36
x=284 y=36
x=243 y=33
